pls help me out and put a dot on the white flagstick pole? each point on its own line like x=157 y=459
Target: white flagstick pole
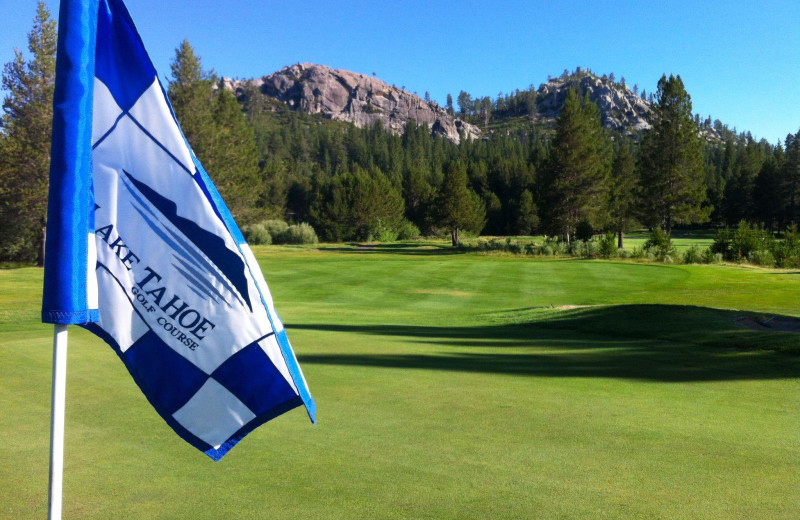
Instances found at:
x=57 y=420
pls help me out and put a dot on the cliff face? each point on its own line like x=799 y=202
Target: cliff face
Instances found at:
x=362 y=100
x=355 y=98
x=620 y=108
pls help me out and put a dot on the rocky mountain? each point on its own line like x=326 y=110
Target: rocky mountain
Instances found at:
x=362 y=100
x=621 y=109
x=356 y=98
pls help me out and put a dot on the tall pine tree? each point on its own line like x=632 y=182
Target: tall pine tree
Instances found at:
x=672 y=187
x=575 y=178
x=218 y=132
x=621 y=194
x=25 y=142
x=457 y=205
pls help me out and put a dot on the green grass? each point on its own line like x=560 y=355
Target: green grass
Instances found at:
x=681 y=239
x=449 y=385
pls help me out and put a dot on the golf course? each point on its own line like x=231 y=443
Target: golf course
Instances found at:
x=449 y=385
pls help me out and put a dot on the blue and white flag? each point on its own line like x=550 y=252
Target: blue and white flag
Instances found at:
x=142 y=251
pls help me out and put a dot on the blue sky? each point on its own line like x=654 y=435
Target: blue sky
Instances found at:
x=740 y=60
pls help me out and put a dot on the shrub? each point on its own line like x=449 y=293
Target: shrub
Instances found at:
x=555 y=247
x=762 y=257
x=588 y=249
x=623 y=253
x=257 y=234
x=787 y=251
x=275 y=228
x=659 y=245
x=722 y=243
x=531 y=249
x=638 y=253
x=571 y=248
x=608 y=246
x=406 y=230
x=710 y=257
x=300 y=234
x=748 y=239
x=737 y=245
x=546 y=250
x=514 y=247
x=381 y=231
x=693 y=256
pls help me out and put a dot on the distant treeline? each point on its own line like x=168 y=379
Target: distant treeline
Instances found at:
x=271 y=162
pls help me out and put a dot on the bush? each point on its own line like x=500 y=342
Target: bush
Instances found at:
x=638 y=253
x=787 y=251
x=587 y=249
x=737 y=245
x=659 y=245
x=722 y=243
x=257 y=234
x=381 y=231
x=608 y=246
x=571 y=248
x=275 y=228
x=300 y=234
x=710 y=257
x=514 y=247
x=555 y=247
x=763 y=258
x=748 y=239
x=406 y=230
x=693 y=256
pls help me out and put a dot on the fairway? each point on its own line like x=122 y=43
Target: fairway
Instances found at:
x=449 y=386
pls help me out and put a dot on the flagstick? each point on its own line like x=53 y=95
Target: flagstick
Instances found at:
x=57 y=420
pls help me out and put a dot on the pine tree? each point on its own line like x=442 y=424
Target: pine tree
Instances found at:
x=232 y=158
x=458 y=206
x=190 y=90
x=527 y=214
x=350 y=205
x=622 y=197
x=791 y=179
x=574 y=183
x=25 y=144
x=671 y=163
x=218 y=132
x=768 y=202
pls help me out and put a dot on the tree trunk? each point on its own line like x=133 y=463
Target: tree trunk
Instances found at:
x=619 y=239
x=40 y=260
x=454 y=236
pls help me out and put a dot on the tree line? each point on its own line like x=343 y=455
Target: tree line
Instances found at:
x=270 y=162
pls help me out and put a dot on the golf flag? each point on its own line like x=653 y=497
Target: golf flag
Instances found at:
x=142 y=251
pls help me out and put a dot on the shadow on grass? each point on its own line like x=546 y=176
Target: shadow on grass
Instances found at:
x=648 y=342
